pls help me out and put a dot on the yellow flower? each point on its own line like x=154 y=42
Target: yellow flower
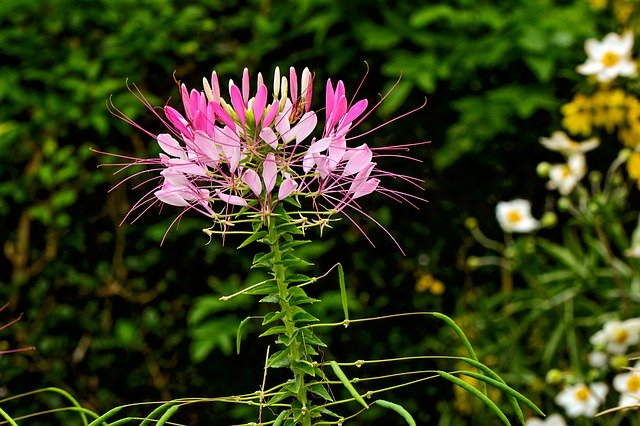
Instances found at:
x=430 y=283
x=577 y=115
x=608 y=109
x=598 y=4
x=633 y=167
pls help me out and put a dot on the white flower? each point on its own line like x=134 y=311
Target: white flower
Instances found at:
x=560 y=142
x=616 y=336
x=628 y=384
x=582 y=400
x=609 y=58
x=597 y=359
x=564 y=177
x=515 y=216
x=552 y=420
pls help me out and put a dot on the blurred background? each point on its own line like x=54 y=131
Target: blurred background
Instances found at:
x=116 y=317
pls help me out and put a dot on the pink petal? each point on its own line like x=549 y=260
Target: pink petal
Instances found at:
x=251 y=178
x=304 y=127
x=224 y=116
x=245 y=86
x=171 y=146
x=320 y=145
x=269 y=172
x=360 y=159
x=286 y=188
x=178 y=121
x=271 y=113
x=231 y=199
x=259 y=103
x=355 y=111
x=293 y=85
x=207 y=148
x=366 y=188
x=361 y=178
x=237 y=103
x=269 y=137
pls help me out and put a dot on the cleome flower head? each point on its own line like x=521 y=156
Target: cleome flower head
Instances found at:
x=609 y=58
x=235 y=159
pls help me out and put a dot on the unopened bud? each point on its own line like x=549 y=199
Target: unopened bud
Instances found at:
x=471 y=223
x=624 y=153
x=564 y=204
x=619 y=362
x=473 y=262
x=543 y=169
x=549 y=220
x=595 y=177
x=554 y=376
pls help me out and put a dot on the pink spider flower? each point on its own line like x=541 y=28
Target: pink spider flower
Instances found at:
x=244 y=155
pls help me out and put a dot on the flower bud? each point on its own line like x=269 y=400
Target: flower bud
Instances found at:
x=549 y=220
x=619 y=362
x=564 y=204
x=473 y=262
x=554 y=376
x=471 y=223
x=595 y=177
x=624 y=153
x=543 y=169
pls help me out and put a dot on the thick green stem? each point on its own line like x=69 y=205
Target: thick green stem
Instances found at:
x=279 y=274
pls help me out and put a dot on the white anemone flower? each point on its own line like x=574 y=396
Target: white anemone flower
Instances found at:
x=628 y=384
x=609 y=58
x=598 y=359
x=582 y=400
x=515 y=216
x=551 y=420
x=560 y=142
x=616 y=336
x=564 y=177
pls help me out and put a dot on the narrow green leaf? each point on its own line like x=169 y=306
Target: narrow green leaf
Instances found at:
x=343 y=294
x=398 y=409
x=255 y=236
x=475 y=392
x=304 y=366
x=239 y=333
x=347 y=384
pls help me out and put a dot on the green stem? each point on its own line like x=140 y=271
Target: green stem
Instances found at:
x=279 y=274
